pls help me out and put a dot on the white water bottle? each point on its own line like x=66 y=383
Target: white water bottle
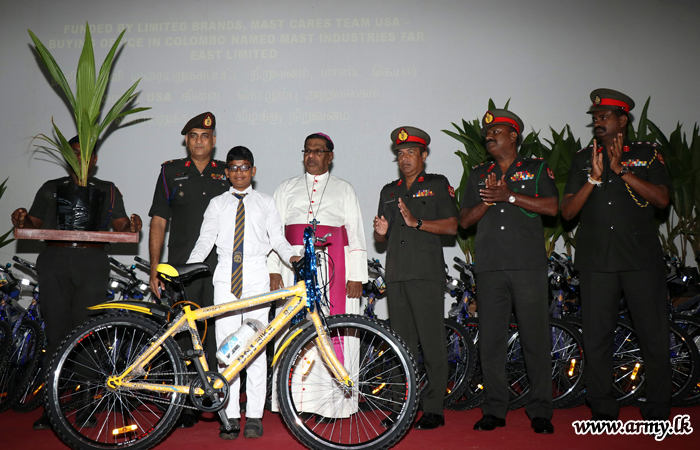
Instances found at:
x=235 y=343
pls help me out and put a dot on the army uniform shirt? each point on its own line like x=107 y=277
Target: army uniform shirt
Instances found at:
x=182 y=194
x=617 y=231
x=509 y=237
x=414 y=254
x=44 y=206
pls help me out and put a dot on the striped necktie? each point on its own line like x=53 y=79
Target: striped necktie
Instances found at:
x=237 y=267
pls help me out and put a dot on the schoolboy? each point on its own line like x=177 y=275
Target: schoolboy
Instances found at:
x=242 y=271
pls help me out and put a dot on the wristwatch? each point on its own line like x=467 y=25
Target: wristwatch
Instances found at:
x=511 y=199
x=624 y=171
x=419 y=223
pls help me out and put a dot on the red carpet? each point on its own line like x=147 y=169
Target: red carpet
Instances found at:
x=16 y=433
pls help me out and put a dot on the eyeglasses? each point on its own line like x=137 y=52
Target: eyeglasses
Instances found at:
x=317 y=152
x=243 y=168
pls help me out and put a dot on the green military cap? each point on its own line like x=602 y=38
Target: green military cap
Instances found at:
x=404 y=137
x=501 y=117
x=608 y=100
x=206 y=120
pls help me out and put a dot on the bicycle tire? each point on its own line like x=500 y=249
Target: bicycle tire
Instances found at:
x=5 y=344
x=22 y=353
x=76 y=391
x=460 y=359
x=691 y=325
x=628 y=365
x=473 y=394
x=384 y=377
x=27 y=394
x=579 y=399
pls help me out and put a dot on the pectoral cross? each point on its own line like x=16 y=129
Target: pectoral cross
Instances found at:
x=314 y=223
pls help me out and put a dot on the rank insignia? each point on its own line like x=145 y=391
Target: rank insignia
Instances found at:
x=550 y=172
x=403 y=135
x=488 y=117
x=208 y=121
x=626 y=148
x=491 y=167
x=451 y=190
x=216 y=176
x=213 y=163
x=188 y=163
x=399 y=183
x=420 y=179
x=522 y=176
x=520 y=163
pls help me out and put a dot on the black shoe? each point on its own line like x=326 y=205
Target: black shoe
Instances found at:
x=429 y=421
x=323 y=419
x=389 y=420
x=233 y=433
x=542 y=425
x=187 y=419
x=600 y=416
x=42 y=423
x=489 y=422
x=86 y=420
x=253 y=428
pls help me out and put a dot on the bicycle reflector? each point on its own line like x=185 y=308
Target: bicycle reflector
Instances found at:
x=308 y=361
x=124 y=430
x=634 y=372
x=572 y=365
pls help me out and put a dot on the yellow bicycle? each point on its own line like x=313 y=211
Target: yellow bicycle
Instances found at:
x=120 y=380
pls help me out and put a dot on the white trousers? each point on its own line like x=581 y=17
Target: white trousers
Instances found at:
x=257 y=368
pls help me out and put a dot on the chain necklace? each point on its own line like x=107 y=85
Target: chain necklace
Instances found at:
x=315 y=222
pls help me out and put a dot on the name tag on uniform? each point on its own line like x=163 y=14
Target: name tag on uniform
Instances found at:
x=179 y=177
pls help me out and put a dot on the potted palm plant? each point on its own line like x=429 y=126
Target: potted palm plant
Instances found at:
x=86 y=106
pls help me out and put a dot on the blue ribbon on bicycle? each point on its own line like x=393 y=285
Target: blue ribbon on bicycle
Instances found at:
x=308 y=273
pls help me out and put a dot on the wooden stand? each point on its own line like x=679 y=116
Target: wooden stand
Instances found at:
x=77 y=236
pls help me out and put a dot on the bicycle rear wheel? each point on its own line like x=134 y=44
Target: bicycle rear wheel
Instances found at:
x=384 y=387
x=27 y=394
x=473 y=394
x=24 y=350
x=85 y=412
x=691 y=325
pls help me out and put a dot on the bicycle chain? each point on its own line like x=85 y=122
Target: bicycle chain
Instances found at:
x=155 y=400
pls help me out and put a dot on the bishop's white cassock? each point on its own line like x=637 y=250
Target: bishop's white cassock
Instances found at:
x=324 y=200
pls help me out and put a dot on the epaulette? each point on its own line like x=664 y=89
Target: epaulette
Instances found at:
x=479 y=165
x=651 y=144
x=585 y=148
x=536 y=158
x=173 y=160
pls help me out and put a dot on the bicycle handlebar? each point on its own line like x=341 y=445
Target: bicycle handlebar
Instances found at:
x=25 y=263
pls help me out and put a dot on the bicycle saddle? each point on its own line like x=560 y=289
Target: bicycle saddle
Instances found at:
x=182 y=272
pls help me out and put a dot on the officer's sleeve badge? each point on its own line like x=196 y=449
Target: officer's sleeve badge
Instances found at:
x=451 y=190
x=550 y=172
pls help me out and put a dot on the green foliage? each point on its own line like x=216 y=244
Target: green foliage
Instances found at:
x=3 y=238
x=86 y=103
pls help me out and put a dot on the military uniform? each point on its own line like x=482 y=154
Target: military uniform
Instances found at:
x=182 y=195
x=415 y=274
x=72 y=278
x=511 y=271
x=618 y=249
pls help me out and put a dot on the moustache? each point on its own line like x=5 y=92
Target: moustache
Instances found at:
x=600 y=129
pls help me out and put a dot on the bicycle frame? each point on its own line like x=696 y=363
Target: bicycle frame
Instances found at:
x=188 y=317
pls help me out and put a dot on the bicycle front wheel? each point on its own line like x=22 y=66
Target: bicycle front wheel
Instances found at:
x=85 y=412
x=372 y=414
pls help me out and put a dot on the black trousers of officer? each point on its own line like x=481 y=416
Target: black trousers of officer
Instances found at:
x=71 y=280
x=416 y=310
x=647 y=299
x=499 y=293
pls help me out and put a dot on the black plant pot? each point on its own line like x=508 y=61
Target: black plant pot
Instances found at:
x=78 y=207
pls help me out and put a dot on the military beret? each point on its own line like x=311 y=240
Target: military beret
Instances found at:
x=405 y=137
x=501 y=117
x=608 y=100
x=206 y=120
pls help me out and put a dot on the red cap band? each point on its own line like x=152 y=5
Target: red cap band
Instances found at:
x=411 y=139
x=507 y=120
x=613 y=102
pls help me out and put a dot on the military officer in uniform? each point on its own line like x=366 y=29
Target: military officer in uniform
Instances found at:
x=505 y=198
x=413 y=212
x=614 y=187
x=183 y=190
